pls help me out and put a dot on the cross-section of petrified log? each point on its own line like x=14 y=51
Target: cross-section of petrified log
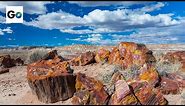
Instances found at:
x=89 y=91
x=51 y=80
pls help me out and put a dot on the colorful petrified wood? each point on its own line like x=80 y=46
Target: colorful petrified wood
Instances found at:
x=89 y=91
x=51 y=80
x=146 y=94
x=129 y=53
x=169 y=86
x=84 y=59
x=102 y=55
x=149 y=73
x=122 y=95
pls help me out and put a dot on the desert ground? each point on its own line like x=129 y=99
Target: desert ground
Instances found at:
x=14 y=88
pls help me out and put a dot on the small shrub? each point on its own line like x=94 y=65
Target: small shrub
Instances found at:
x=109 y=71
x=158 y=55
x=36 y=55
x=168 y=67
x=131 y=72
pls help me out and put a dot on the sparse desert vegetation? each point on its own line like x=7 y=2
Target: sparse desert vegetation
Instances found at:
x=36 y=55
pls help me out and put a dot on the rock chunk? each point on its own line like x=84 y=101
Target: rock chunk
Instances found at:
x=19 y=62
x=3 y=70
x=89 y=91
x=102 y=55
x=174 y=57
x=169 y=86
x=123 y=95
x=84 y=59
x=149 y=73
x=51 y=80
x=6 y=61
x=146 y=94
x=130 y=53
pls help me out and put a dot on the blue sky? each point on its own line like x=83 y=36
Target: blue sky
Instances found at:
x=94 y=22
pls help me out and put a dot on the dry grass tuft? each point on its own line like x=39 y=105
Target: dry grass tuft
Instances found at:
x=36 y=55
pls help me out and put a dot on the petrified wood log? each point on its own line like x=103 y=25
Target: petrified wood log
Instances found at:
x=51 y=82
x=149 y=73
x=130 y=53
x=169 y=86
x=6 y=61
x=84 y=59
x=102 y=55
x=3 y=70
x=146 y=94
x=123 y=95
x=174 y=57
x=89 y=91
x=18 y=62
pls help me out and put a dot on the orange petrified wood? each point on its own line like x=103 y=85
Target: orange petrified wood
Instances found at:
x=84 y=59
x=146 y=94
x=130 y=53
x=51 y=80
x=102 y=55
x=89 y=91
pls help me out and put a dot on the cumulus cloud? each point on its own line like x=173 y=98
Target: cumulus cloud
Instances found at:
x=30 y=7
x=154 y=35
x=56 y=20
x=102 y=21
x=5 y=30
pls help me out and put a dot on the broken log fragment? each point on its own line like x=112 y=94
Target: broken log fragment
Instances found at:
x=4 y=70
x=51 y=82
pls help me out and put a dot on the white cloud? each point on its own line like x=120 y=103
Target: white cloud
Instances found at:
x=56 y=20
x=150 y=8
x=30 y=7
x=106 y=3
x=95 y=38
x=5 y=30
x=162 y=35
x=102 y=21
